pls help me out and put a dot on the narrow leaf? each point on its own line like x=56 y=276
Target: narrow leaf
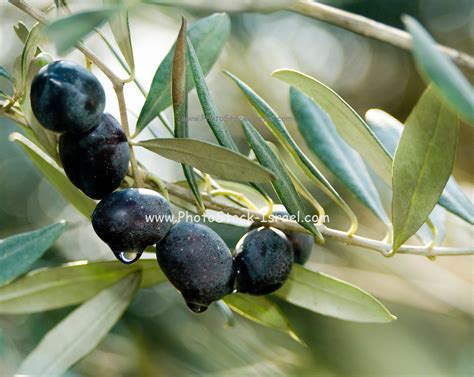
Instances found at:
x=389 y=130
x=21 y=31
x=209 y=158
x=441 y=71
x=179 y=95
x=29 y=51
x=81 y=331
x=213 y=117
x=70 y=284
x=261 y=310
x=19 y=252
x=423 y=163
x=4 y=73
x=208 y=37
x=323 y=140
x=348 y=123
x=121 y=30
x=211 y=113
x=67 y=31
x=330 y=296
x=278 y=128
x=55 y=176
x=282 y=184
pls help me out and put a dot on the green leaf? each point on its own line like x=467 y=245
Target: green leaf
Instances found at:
x=55 y=176
x=179 y=95
x=81 y=331
x=53 y=288
x=441 y=71
x=324 y=141
x=211 y=113
x=348 y=123
x=282 y=184
x=35 y=37
x=19 y=252
x=209 y=158
x=261 y=310
x=278 y=128
x=21 y=31
x=5 y=73
x=67 y=31
x=213 y=117
x=330 y=296
x=389 y=130
x=423 y=163
x=208 y=37
x=121 y=30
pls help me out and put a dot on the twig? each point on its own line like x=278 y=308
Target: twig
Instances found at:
x=371 y=29
x=337 y=17
x=124 y=120
x=289 y=225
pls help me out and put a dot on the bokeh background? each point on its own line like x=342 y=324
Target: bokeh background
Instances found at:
x=433 y=300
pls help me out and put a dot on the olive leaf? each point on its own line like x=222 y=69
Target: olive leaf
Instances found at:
x=67 y=31
x=55 y=176
x=21 y=31
x=348 y=123
x=261 y=310
x=323 y=140
x=213 y=117
x=422 y=165
x=278 y=128
x=389 y=130
x=120 y=27
x=209 y=158
x=179 y=96
x=81 y=331
x=70 y=284
x=35 y=37
x=441 y=71
x=4 y=73
x=282 y=184
x=211 y=113
x=19 y=252
x=330 y=296
x=208 y=36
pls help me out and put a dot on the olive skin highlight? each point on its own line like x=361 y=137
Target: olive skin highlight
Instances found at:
x=198 y=263
x=96 y=161
x=66 y=97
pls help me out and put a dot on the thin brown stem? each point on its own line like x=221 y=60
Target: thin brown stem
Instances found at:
x=372 y=29
x=124 y=120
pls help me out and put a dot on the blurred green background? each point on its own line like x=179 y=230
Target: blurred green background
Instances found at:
x=433 y=335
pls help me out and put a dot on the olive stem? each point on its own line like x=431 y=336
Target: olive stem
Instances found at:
x=124 y=120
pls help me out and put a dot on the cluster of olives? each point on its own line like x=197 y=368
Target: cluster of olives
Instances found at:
x=94 y=151
x=68 y=99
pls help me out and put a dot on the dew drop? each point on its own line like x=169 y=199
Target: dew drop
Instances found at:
x=129 y=256
x=196 y=308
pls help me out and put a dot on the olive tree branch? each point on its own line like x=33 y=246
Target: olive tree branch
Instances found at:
x=371 y=29
x=289 y=225
x=117 y=82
